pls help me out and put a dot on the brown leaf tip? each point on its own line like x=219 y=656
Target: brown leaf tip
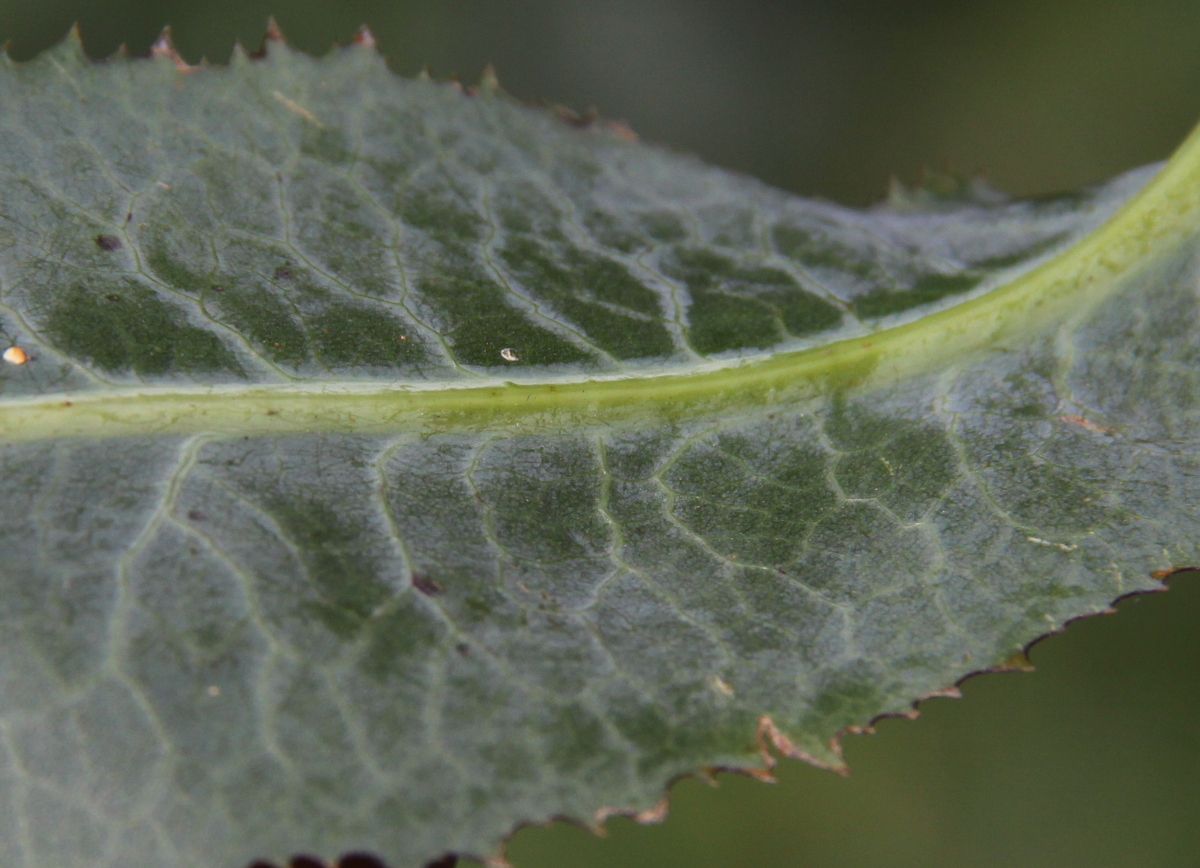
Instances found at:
x=164 y=46
x=622 y=131
x=365 y=38
x=1163 y=575
x=273 y=34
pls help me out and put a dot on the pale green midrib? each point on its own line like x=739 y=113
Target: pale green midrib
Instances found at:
x=1163 y=212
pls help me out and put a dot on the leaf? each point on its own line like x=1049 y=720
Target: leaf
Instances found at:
x=392 y=465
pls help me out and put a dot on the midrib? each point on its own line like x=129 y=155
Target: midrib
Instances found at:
x=1163 y=213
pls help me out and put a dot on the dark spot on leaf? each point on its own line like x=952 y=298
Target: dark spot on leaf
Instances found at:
x=216 y=288
x=261 y=864
x=448 y=861
x=108 y=242
x=195 y=515
x=426 y=585
x=463 y=648
x=306 y=862
x=112 y=296
x=283 y=272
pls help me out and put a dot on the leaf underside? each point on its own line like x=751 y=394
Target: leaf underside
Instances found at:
x=395 y=623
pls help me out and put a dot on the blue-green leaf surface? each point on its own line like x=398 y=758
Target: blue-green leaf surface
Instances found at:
x=392 y=465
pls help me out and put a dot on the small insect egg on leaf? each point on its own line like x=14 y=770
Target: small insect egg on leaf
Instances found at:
x=15 y=356
x=509 y=355
x=108 y=242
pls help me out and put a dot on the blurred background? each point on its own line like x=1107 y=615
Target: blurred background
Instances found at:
x=1094 y=760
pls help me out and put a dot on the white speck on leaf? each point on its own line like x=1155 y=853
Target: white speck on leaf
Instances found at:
x=509 y=355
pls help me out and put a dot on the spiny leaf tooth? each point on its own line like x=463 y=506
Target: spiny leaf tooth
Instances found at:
x=622 y=131
x=365 y=38
x=273 y=34
x=164 y=46
x=72 y=46
x=1018 y=662
x=489 y=82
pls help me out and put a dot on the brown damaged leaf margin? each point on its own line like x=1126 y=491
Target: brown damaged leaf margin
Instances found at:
x=489 y=82
x=769 y=736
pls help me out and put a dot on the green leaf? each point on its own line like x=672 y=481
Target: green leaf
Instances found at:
x=394 y=465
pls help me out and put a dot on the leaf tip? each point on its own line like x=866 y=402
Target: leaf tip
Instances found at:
x=365 y=38
x=1018 y=662
x=273 y=34
x=489 y=82
x=164 y=47
x=622 y=131
x=72 y=45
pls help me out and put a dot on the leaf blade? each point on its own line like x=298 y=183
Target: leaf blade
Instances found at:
x=286 y=603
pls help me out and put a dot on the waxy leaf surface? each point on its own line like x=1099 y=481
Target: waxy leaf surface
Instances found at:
x=394 y=465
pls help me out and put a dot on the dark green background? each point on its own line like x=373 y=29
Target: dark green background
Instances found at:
x=1095 y=759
